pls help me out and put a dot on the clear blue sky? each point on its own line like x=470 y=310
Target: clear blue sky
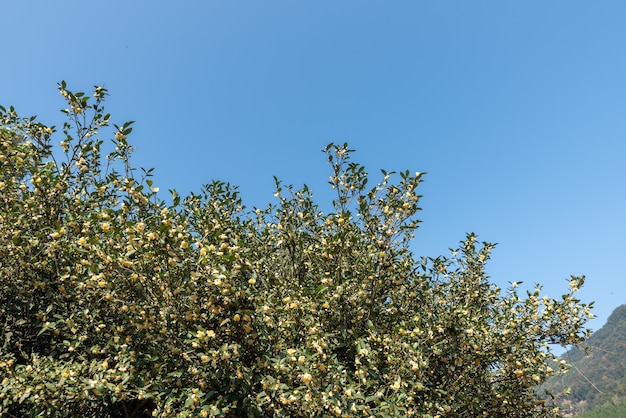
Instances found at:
x=517 y=110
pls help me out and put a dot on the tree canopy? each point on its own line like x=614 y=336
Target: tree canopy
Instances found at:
x=115 y=301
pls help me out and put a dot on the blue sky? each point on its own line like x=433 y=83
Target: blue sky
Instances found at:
x=516 y=110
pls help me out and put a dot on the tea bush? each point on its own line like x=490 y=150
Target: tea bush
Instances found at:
x=116 y=302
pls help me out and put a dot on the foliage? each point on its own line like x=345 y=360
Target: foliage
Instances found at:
x=115 y=302
x=606 y=411
x=598 y=373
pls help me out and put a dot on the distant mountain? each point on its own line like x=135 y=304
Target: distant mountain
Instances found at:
x=595 y=386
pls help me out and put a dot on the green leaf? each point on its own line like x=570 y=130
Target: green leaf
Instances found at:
x=175 y=197
x=24 y=396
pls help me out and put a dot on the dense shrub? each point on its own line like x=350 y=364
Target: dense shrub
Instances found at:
x=116 y=302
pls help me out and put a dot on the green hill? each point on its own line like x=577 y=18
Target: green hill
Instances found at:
x=595 y=386
x=606 y=411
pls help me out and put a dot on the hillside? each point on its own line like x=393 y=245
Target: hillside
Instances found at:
x=596 y=383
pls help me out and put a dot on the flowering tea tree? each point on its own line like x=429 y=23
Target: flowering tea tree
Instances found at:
x=116 y=302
